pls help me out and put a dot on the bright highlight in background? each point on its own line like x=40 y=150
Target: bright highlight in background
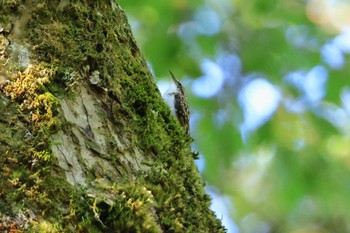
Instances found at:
x=258 y=99
x=211 y=83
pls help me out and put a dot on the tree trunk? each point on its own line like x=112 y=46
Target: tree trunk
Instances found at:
x=86 y=142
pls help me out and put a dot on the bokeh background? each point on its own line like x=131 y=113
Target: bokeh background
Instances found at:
x=268 y=87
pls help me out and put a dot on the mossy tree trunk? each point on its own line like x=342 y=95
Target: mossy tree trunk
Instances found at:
x=86 y=142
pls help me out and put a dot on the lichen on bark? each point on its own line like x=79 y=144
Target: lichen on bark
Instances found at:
x=87 y=143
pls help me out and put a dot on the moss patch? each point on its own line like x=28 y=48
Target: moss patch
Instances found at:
x=90 y=42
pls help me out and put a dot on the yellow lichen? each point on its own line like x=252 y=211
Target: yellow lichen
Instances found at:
x=28 y=88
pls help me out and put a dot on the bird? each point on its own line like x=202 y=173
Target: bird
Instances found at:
x=177 y=100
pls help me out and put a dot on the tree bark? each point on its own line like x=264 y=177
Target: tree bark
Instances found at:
x=86 y=142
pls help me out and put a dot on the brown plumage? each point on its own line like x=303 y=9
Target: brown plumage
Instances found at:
x=180 y=104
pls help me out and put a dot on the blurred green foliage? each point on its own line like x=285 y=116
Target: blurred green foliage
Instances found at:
x=292 y=173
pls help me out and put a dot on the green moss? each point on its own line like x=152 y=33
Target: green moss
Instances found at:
x=78 y=39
